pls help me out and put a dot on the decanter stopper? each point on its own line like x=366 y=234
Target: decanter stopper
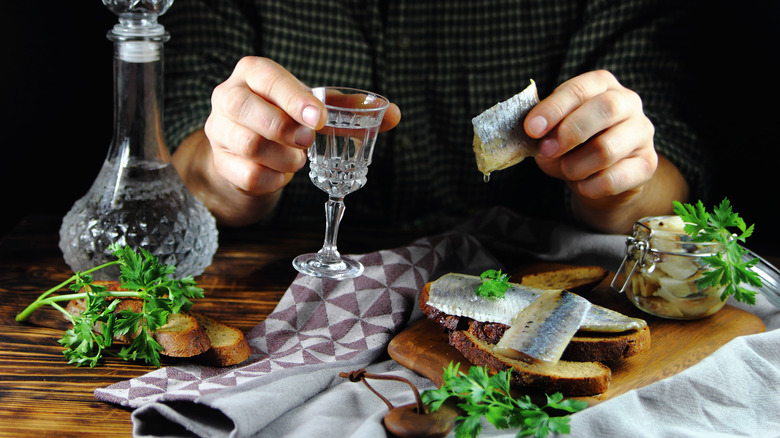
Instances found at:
x=138 y=198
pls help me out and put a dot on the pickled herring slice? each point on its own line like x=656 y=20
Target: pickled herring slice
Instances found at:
x=454 y=294
x=500 y=140
x=541 y=332
x=678 y=267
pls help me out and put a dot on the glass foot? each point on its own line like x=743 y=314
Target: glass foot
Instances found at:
x=342 y=268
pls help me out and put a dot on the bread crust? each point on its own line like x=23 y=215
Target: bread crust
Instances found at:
x=568 y=378
x=229 y=346
x=572 y=278
x=182 y=336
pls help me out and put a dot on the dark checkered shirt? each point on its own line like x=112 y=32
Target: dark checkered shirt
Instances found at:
x=442 y=62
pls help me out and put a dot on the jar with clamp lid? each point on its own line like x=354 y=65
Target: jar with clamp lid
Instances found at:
x=661 y=269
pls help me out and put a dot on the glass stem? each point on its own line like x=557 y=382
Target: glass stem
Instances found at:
x=334 y=211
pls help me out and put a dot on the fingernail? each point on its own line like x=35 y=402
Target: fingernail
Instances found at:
x=304 y=136
x=549 y=147
x=311 y=116
x=537 y=125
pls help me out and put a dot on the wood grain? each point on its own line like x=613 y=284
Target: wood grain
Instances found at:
x=675 y=345
x=41 y=395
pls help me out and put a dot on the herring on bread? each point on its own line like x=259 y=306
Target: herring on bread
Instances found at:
x=500 y=140
x=579 y=372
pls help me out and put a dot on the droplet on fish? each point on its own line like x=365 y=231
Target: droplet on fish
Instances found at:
x=486 y=177
x=500 y=140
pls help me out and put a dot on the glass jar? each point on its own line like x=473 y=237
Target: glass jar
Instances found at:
x=661 y=269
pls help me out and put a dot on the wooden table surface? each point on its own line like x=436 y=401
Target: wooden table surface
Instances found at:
x=41 y=395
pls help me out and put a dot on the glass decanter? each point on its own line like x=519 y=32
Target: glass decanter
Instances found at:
x=138 y=199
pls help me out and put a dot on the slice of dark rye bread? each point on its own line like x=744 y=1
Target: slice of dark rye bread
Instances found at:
x=579 y=372
x=566 y=377
x=584 y=346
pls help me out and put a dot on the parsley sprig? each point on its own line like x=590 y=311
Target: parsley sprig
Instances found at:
x=728 y=267
x=494 y=284
x=142 y=276
x=489 y=396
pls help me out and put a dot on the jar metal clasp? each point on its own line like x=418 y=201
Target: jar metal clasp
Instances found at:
x=637 y=248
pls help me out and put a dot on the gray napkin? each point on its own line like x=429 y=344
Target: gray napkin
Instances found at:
x=318 y=329
x=733 y=392
x=290 y=386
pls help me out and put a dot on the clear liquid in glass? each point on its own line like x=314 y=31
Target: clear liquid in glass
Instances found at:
x=138 y=199
x=143 y=204
x=338 y=165
x=338 y=160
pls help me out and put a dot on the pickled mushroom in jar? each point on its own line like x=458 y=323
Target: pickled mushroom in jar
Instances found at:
x=667 y=282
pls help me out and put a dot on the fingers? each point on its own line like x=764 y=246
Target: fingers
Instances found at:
x=594 y=135
x=248 y=176
x=391 y=119
x=280 y=88
x=611 y=163
x=262 y=121
x=624 y=176
x=229 y=137
x=579 y=109
x=265 y=98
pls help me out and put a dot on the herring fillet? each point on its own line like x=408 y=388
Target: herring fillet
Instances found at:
x=500 y=140
x=542 y=331
x=454 y=294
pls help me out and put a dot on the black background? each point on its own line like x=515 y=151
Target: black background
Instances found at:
x=58 y=109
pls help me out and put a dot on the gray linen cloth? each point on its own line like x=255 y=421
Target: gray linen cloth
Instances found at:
x=290 y=386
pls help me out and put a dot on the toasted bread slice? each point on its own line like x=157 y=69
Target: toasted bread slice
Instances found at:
x=229 y=346
x=572 y=278
x=607 y=347
x=185 y=334
x=568 y=378
x=181 y=336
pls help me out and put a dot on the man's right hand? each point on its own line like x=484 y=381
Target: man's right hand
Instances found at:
x=261 y=123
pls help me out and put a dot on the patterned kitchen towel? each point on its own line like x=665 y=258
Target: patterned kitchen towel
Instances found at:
x=319 y=326
x=290 y=385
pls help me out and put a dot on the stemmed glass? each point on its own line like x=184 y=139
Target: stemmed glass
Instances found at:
x=338 y=165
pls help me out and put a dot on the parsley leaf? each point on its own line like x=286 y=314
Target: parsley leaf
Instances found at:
x=727 y=267
x=494 y=284
x=142 y=277
x=483 y=395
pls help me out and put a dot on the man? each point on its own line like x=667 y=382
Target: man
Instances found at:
x=615 y=142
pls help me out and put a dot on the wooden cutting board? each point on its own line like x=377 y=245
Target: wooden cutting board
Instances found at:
x=675 y=345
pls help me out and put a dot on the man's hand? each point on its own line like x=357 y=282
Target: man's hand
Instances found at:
x=262 y=121
x=596 y=137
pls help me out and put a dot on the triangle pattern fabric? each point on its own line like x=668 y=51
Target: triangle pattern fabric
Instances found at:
x=318 y=321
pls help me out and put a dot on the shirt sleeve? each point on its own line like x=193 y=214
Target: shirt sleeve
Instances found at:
x=207 y=39
x=647 y=46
